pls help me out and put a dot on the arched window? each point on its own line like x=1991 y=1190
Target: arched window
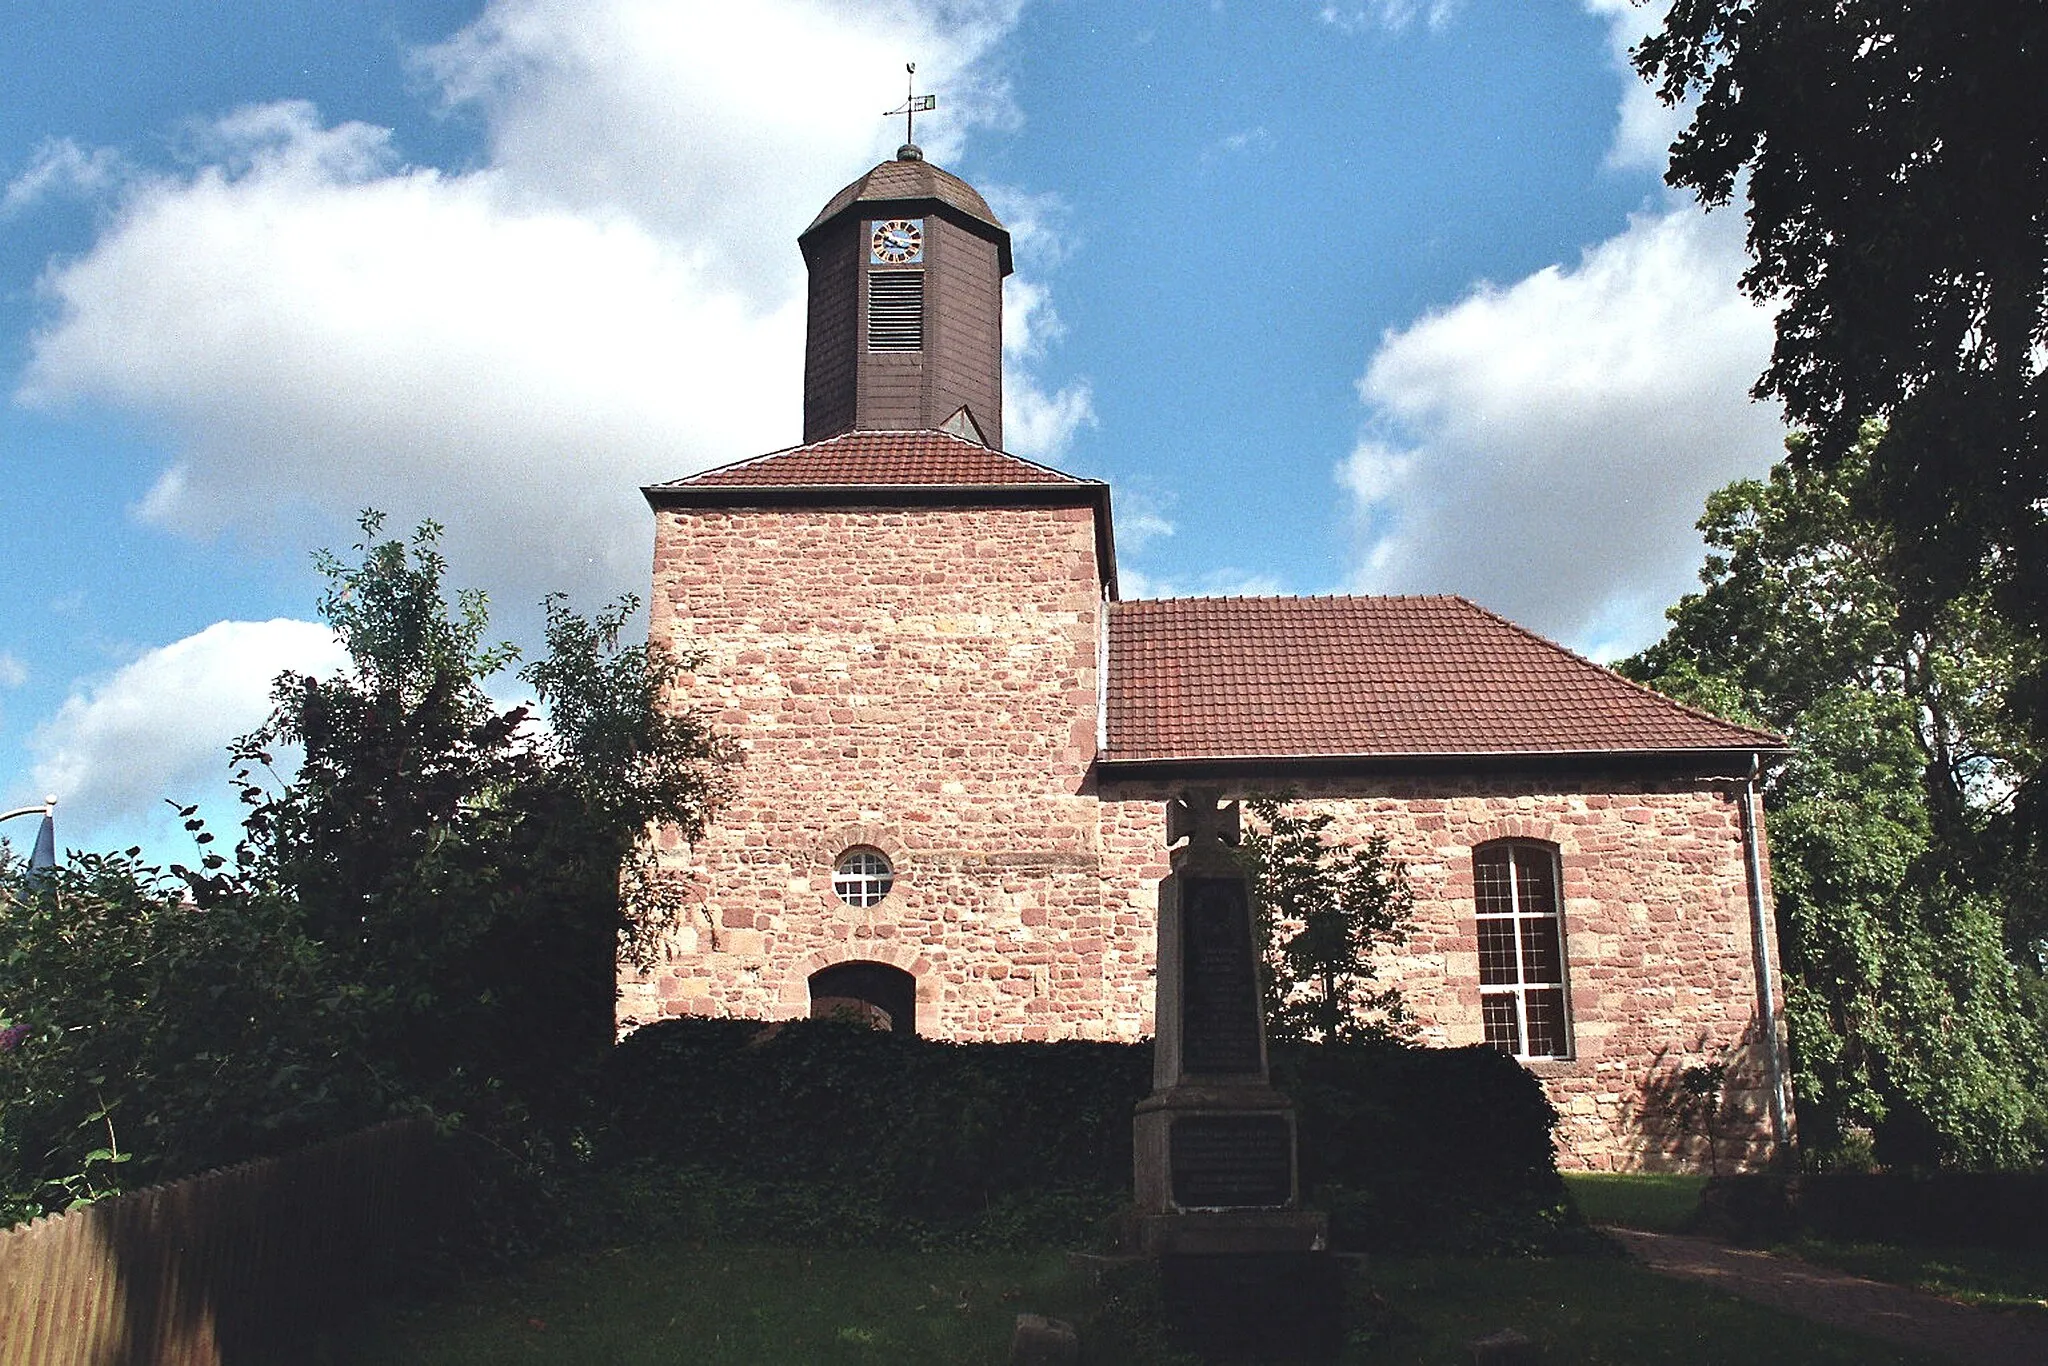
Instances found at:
x=861 y=992
x=862 y=877
x=1521 y=949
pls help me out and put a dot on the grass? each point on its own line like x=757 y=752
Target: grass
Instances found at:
x=1592 y=1312
x=726 y=1306
x=1995 y=1277
x=1661 y=1202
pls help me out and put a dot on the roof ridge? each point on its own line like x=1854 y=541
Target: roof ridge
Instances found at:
x=1296 y=597
x=871 y=434
x=730 y=465
x=1652 y=693
x=934 y=182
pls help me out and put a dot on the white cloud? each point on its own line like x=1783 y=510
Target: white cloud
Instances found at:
x=1037 y=423
x=614 y=297
x=1237 y=144
x=319 y=333
x=1228 y=582
x=1644 y=126
x=1041 y=425
x=1029 y=322
x=159 y=726
x=1135 y=531
x=1388 y=14
x=60 y=166
x=716 y=124
x=1546 y=447
x=13 y=673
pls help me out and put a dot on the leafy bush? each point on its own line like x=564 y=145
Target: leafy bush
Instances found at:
x=1425 y=1148
x=948 y=1140
x=148 y=1037
x=1323 y=912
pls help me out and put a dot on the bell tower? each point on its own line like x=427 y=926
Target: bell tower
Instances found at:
x=906 y=306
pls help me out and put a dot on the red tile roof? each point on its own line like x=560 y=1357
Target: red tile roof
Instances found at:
x=1238 y=678
x=884 y=459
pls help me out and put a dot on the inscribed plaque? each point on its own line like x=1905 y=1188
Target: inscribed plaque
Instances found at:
x=1219 y=978
x=1231 y=1161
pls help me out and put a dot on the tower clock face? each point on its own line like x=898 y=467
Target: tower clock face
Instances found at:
x=896 y=242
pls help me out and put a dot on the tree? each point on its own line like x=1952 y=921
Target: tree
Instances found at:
x=426 y=916
x=477 y=872
x=1323 y=910
x=1910 y=974
x=1806 y=622
x=1894 y=154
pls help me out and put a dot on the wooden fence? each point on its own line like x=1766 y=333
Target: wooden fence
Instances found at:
x=229 y=1267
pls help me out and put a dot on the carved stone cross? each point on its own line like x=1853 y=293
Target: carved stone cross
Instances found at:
x=1202 y=818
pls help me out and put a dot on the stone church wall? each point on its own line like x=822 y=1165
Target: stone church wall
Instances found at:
x=1656 y=923
x=918 y=681
x=923 y=682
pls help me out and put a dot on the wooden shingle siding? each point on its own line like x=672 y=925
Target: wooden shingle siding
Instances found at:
x=850 y=384
x=834 y=322
x=966 y=305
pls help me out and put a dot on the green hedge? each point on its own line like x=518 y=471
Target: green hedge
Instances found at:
x=1953 y=1209
x=1414 y=1148
x=844 y=1134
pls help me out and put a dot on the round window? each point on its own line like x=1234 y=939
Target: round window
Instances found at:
x=862 y=877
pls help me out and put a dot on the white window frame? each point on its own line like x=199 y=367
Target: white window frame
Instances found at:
x=862 y=876
x=1517 y=916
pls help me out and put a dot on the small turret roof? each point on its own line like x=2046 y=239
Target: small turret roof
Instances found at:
x=901 y=180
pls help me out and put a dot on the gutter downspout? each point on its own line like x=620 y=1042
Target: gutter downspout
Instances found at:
x=1766 y=993
x=1102 y=673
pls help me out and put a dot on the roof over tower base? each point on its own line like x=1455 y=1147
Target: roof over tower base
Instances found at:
x=895 y=469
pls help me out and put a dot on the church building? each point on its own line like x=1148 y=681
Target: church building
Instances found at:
x=959 y=740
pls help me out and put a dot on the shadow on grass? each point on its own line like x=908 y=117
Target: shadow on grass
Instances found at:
x=727 y=1306
x=1667 y=1203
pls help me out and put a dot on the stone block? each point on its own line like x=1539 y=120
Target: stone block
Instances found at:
x=1259 y=1306
x=1505 y=1348
x=1041 y=1341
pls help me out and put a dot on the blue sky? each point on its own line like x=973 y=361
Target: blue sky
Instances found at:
x=1377 y=296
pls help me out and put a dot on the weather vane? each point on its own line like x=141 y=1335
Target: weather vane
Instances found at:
x=913 y=105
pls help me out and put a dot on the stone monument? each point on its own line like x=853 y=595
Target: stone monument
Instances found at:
x=1245 y=1271
x=1214 y=1142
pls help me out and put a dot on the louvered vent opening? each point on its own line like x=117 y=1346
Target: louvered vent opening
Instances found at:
x=896 y=310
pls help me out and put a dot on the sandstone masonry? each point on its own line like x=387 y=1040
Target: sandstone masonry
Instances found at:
x=916 y=643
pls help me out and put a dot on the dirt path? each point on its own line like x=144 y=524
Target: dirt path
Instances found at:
x=1960 y=1332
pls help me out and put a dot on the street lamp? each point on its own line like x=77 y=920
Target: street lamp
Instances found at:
x=44 y=854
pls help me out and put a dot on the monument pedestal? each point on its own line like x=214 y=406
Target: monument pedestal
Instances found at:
x=1215 y=1173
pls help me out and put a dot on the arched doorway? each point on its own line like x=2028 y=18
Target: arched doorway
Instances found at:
x=872 y=993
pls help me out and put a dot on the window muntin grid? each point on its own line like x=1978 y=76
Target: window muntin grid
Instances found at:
x=862 y=877
x=1521 y=950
